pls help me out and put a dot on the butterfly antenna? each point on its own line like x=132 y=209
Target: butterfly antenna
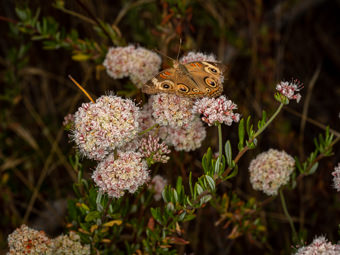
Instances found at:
x=161 y=53
x=80 y=87
x=179 y=49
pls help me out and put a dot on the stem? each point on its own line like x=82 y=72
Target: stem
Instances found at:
x=106 y=208
x=289 y=218
x=268 y=122
x=219 y=126
x=148 y=129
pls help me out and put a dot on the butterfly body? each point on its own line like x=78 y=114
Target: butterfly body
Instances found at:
x=196 y=79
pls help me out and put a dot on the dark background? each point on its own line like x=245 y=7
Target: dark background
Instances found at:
x=261 y=42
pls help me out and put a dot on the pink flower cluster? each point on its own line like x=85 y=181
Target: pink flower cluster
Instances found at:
x=186 y=138
x=25 y=240
x=197 y=56
x=288 y=89
x=154 y=151
x=336 y=177
x=319 y=246
x=138 y=63
x=171 y=110
x=125 y=173
x=216 y=110
x=270 y=170
x=109 y=123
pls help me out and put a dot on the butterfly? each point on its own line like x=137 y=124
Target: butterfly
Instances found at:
x=195 y=79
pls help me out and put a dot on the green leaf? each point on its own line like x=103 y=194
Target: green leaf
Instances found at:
x=22 y=14
x=313 y=168
x=232 y=174
x=210 y=182
x=190 y=184
x=92 y=216
x=228 y=153
x=179 y=185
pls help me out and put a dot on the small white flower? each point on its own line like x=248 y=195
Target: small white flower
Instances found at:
x=109 y=123
x=172 y=110
x=336 y=177
x=126 y=173
x=216 y=110
x=186 y=138
x=153 y=150
x=288 y=89
x=70 y=245
x=270 y=170
x=319 y=246
x=25 y=240
x=197 y=56
x=138 y=63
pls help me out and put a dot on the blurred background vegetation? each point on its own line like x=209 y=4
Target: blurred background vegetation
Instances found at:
x=261 y=42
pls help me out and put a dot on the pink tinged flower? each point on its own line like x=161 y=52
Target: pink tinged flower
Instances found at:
x=68 y=120
x=172 y=110
x=157 y=185
x=109 y=123
x=270 y=170
x=319 y=246
x=216 y=110
x=289 y=89
x=153 y=150
x=125 y=174
x=197 y=56
x=186 y=138
x=138 y=63
x=70 y=244
x=145 y=64
x=25 y=240
x=336 y=177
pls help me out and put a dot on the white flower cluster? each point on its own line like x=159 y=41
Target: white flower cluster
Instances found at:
x=138 y=63
x=25 y=240
x=126 y=173
x=270 y=170
x=197 y=56
x=171 y=110
x=288 y=89
x=157 y=185
x=100 y=127
x=154 y=151
x=336 y=177
x=186 y=138
x=319 y=246
x=216 y=110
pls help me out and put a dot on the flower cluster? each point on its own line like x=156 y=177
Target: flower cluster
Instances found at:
x=109 y=123
x=138 y=63
x=154 y=151
x=288 y=89
x=216 y=110
x=186 y=138
x=336 y=177
x=270 y=170
x=126 y=173
x=25 y=240
x=319 y=246
x=171 y=110
x=68 y=120
x=157 y=185
x=70 y=245
x=197 y=56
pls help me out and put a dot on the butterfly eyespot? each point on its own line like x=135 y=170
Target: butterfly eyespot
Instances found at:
x=210 y=82
x=208 y=90
x=213 y=70
x=166 y=86
x=183 y=88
